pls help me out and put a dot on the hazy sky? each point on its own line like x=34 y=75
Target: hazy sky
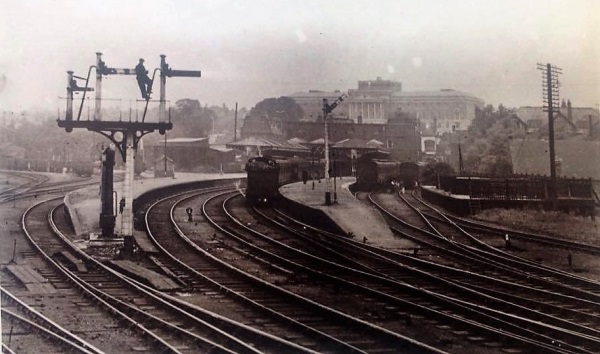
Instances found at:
x=250 y=50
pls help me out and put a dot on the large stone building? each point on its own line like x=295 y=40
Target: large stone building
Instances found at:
x=376 y=101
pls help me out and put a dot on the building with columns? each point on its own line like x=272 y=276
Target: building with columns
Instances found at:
x=376 y=101
x=442 y=111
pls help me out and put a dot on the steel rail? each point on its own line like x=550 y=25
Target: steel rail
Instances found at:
x=155 y=297
x=51 y=328
x=539 y=344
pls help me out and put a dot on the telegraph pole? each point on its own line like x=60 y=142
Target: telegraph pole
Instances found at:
x=550 y=86
x=326 y=142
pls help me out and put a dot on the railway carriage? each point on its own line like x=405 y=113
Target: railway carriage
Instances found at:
x=376 y=170
x=267 y=174
x=409 y=174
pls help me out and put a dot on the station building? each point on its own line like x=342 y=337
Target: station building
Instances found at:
x=400 y=135
x=192 y=155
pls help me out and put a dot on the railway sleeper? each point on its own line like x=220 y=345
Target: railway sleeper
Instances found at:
x=71 y=262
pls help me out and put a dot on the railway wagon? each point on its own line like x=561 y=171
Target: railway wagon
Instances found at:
x=375 y=170
x=409 y=174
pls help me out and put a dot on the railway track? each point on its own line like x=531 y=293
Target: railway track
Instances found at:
x=384 y=289
x=42 y=286
x=575 y=340
x=573 y=284
x=28 y=182
x=169 y=328
x=193 y=267
x=495 y=232
x=453 y=235
x=28 y=320
x=338 y=289
x=313 y=325
x=39 y=185
x=580 y=309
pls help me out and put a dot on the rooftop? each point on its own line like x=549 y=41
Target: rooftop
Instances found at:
x=264 y=143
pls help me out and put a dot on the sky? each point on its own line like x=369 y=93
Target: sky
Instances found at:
x=254 y=49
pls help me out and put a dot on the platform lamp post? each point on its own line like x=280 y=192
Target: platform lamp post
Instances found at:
x=312 y=166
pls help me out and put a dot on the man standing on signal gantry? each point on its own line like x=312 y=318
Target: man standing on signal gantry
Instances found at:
x=143 y=79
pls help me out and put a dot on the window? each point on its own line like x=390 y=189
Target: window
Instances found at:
x=429 y=145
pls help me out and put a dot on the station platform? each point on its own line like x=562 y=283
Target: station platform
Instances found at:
x=84 y=204
x=351 y=215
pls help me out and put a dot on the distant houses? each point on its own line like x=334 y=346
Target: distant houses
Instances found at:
x=574 y=158
x=572 y=120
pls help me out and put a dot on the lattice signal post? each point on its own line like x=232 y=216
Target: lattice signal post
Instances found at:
x=328 y=108
x=124 y=134
x=550 y=85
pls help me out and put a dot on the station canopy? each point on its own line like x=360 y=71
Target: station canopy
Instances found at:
x=264 y=144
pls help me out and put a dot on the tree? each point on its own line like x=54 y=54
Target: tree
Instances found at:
x=433 y=170
x=486 y=147
x=224 y=123
x=484 y=118
x=190 y=119
x=283 y=107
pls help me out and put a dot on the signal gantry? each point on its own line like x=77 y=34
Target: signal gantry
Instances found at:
x=124 y=134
